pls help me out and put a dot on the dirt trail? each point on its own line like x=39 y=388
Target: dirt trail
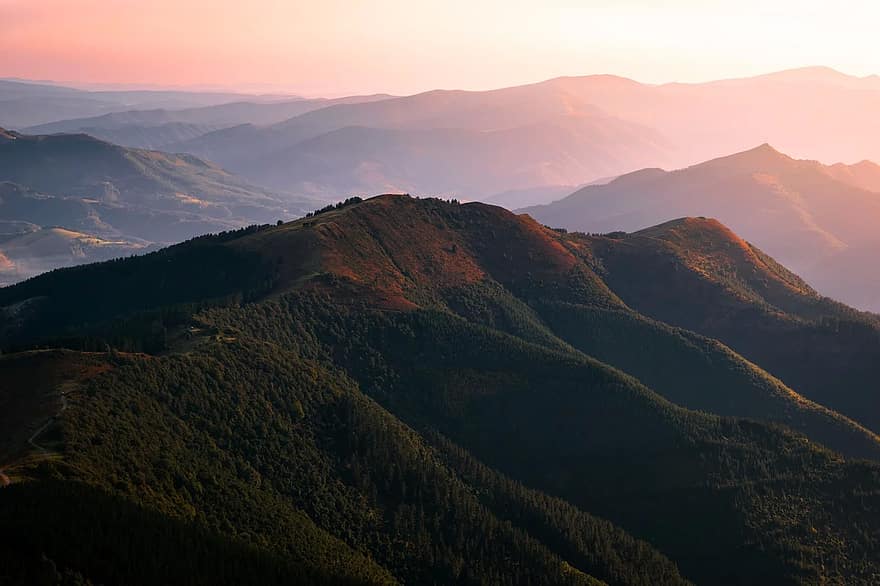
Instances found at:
x=32 y=439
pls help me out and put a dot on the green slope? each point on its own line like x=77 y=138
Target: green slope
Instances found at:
x=439 y=393
x=696 y=274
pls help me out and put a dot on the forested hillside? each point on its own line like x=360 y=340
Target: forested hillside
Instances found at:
x=418 y=391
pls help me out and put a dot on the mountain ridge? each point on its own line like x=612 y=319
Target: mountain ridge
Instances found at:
x=801 y=212
x=396 y=359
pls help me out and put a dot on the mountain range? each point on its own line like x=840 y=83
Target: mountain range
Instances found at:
x=818 y=219
x=422 y=391
x=159 y=127
x=26 y=103
x=532 y=139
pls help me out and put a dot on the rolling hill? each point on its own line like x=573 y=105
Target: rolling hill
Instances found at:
x=95 y=200
x=811 y=217
x=421 y=391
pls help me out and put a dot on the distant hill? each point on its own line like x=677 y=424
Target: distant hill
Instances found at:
x=148 y=137
x=452 y=161
x=418 y=391
x=564 y=131
x=82 y=166
x=33 y=252
x=104 y=193
x=439 y=142
x=807 y=215
x=159 y=127
x=532 y=138
x=24 y=103
x=536 y=137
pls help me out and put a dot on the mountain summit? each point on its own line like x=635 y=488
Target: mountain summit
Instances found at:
x=808 y=215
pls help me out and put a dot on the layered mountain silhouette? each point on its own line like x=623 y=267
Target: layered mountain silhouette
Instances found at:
x=818 y=219
x=419 y=391
x=439 y=142
x=513 y=146
x=28 y=103
x=98 y=200
x=159 y=127
x=564 y=131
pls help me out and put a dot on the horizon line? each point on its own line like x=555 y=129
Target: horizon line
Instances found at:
x=279 y=91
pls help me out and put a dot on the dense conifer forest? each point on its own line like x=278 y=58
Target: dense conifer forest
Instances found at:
x=402 y=390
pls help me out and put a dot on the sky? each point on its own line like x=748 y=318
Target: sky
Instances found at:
x=335 y=47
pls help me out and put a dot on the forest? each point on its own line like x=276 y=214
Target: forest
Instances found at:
x=402 y=390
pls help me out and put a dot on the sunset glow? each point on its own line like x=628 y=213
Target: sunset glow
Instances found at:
x=399 y=46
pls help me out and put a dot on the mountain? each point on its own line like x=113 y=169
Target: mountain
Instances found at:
x=26 y=103
x=699 y=275
x=147 y=137
x=227 y=114
x=159 y=127
x=480 y=162
x=564 y=131
x=96 y=200
x=531 y=138
x=382 y=138
x=812 y=217
x=89 y=168
x=421 y=391
x=23 y=104
x=810 y=112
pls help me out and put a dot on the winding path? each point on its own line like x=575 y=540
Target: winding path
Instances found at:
x=31 y=440
x=4 y=479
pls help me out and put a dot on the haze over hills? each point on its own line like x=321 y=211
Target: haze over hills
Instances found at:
x=812 y=112
x=94 y=200
x=159 y=127
x=818 y=219
x=483 y=144
x=26 y=103
x=613 y=126
x=372 y=376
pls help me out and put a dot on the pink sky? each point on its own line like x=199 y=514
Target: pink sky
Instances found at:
x=403 y=46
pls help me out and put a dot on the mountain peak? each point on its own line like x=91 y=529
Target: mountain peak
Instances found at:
x=765 y=150
x=761 y=158
x=689 y=228
x=717 y=252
